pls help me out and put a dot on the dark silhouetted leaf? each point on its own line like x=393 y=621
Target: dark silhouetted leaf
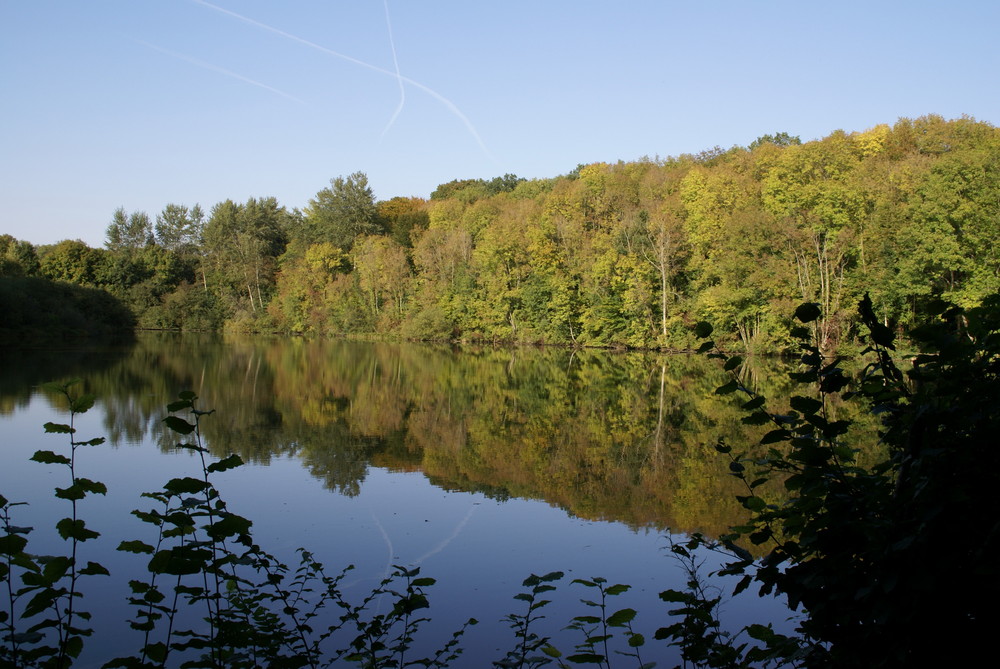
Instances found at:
x=58 y=428
x=50 y=458
x=179 y=425
x=229 y=462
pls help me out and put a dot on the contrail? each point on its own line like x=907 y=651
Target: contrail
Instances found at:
x=220 y=70
x=388 y=565
x=444 y=544
x=399 y=78
x=336 y=54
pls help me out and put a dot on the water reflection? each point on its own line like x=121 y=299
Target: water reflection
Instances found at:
x=437 y=455
x=609 y=436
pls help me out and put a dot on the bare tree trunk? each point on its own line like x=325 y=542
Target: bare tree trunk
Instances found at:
x=663 y=305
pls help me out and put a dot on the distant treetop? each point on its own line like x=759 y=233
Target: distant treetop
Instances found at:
x=778 y=139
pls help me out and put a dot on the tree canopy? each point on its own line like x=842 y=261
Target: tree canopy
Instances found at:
x=623 y=254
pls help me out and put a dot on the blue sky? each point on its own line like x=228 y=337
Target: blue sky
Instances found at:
x=141 y=103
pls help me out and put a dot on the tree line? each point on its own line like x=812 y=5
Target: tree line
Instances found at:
x=624 y=255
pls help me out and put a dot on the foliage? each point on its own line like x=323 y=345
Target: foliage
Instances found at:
x=17 y=258
x=129 y=232
x=38 y=311
x=342 y=212
x=778 y=139
x=43 y=624
x=871 y=554
x=629 y=254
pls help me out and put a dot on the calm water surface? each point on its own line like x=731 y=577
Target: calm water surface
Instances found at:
x=480 y=466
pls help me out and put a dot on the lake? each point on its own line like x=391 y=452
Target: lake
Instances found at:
x=479 y=465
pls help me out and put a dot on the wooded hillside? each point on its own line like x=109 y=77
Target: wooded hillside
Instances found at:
x=629 y=254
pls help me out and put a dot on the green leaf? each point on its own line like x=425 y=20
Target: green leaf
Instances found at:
x=587 y=620
x=56 y=568
x=667 y=632
x=232 y=525
x=186 y=485
x=756 y=418
x=92 y=486
x=12 y=544
x=775 y=436
x=636 y=640
x=617 y=589
x=73 y=492
x=81 y=404
x=760 y=632
x=728 y=388
x=620 y=618
x=135 y=547
x=808 y=312
x=50 y=458
x=58 y=428
x=755 y=403
x=73 y=646
x=95 y=569
x=705 y=347
x=59 y=388
x=674 y=596
x=882 y=335
x=551 y=650
x=754 y=504
x=179 y=425
x=179 y=561
x=80 y=489
x=733 y=363
x=157 y=652
x=423 y=582
x=586 y=658
x=703 y=329
x=806 y=405
x=229 y=462
x=75 y=529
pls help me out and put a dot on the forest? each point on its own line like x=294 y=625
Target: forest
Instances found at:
x=624 y=255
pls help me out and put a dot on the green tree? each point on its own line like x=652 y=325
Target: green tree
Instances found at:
x=179 y=228
x=342 y=212
x=18 y=258
x=243 y=242
x=663 y=245
x=73 y=261
x=812 y=187
x=400 y=216
x=301 y=302
x=777 y=139
x=128 y=232
x=383 y=271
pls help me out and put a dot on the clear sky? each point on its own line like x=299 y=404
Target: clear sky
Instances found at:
x=141 y=103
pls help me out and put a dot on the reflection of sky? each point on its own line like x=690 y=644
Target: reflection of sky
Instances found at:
x=479 y=549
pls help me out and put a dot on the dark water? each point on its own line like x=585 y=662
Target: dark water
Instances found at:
x=480 y=466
